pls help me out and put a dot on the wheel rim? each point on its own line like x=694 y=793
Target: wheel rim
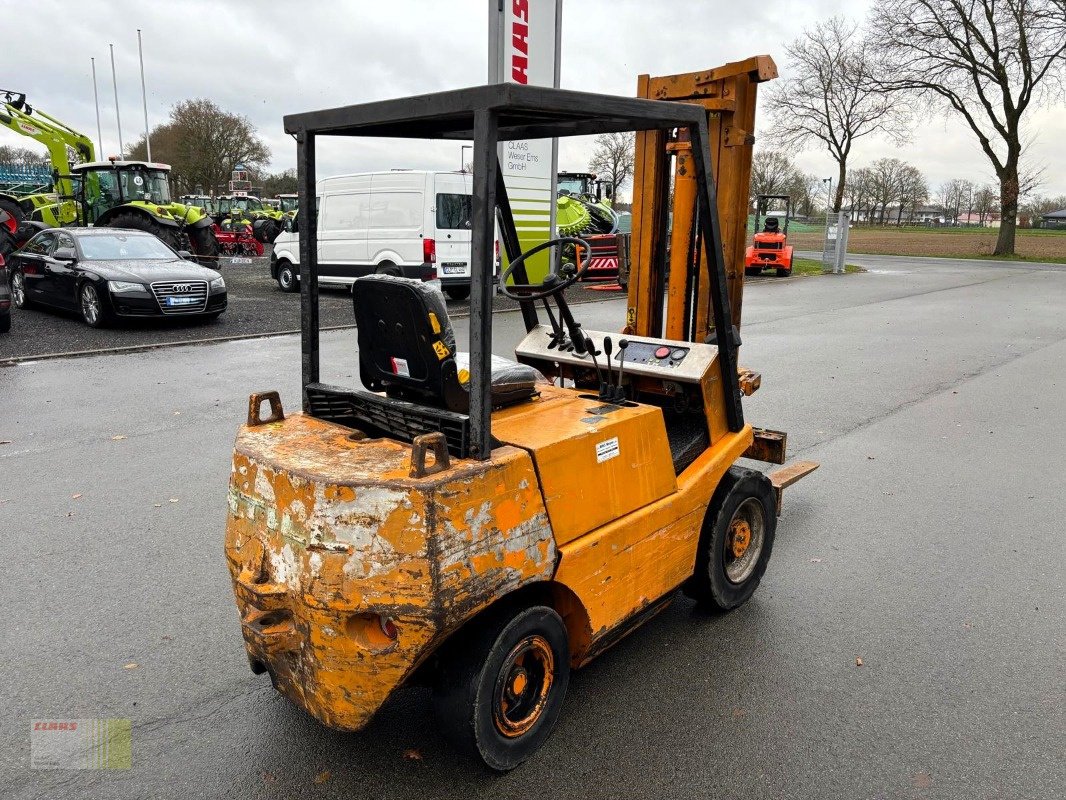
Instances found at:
x=90 y=305
x=523 y=685
x=18 y=290
x=744 y=541
x=286 y=278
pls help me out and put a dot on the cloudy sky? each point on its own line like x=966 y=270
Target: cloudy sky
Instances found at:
x=264 y=59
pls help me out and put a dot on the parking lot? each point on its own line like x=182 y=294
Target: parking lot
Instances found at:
x=257 y=307
x=927 y=548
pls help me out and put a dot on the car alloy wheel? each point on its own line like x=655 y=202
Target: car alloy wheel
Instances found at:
x=91 y=309
x=18 y=290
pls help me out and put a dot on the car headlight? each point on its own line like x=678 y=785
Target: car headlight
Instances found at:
x=218 y=284
x=126 y=287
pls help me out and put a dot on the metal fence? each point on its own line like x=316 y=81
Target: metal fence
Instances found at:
x=835 y=245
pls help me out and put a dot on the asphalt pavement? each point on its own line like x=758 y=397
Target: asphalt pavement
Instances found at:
x=257 y=307
x=929 y=545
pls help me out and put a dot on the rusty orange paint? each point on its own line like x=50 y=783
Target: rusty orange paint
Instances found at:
x=327 y=536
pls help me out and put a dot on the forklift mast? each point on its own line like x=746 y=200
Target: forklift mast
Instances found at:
x=668 y=254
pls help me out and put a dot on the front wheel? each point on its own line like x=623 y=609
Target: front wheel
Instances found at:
x=91 y=306
x=287 y=277
x=502 y=685
x=736 y=541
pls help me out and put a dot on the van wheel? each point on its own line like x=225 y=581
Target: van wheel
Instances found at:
x=736 y=540
x=502 y=685
x=287 y=277
x=457 y=292
x=388 y=268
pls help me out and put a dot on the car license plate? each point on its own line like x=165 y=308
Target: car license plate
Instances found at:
x=240 y=261
x=183 y=301
x=454 y=268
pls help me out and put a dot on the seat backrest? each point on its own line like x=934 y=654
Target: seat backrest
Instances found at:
x=406 y=342
x=771 y=225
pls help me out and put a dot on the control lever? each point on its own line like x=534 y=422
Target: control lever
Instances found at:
x=619 y=391
x=599 y=373
x=608 y=346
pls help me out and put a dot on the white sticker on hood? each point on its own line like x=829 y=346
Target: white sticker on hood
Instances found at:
x=607 y=450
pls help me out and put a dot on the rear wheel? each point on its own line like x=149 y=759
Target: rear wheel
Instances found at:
x=388 y=268
x=736 y=541
x=457 y=292
x=18 y=290
x=751 y=272
x=783 y=273
x=5 y=322
x=502 y=685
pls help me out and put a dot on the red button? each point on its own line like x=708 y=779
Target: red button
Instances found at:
x=662 y=352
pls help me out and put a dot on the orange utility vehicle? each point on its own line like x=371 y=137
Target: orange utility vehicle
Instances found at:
x=769 y=247
x=483 y=525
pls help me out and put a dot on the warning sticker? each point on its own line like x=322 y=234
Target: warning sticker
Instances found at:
x=606 y=450
x=441 y=350
x=399 y=367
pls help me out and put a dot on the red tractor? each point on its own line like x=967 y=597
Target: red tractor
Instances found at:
x=769 y=247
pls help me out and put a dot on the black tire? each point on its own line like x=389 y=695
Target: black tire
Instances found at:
x=388 y=268
x=727 y=570
x=478 y=697
x=783 y=273
x=457 y=292
x=92 y=306
x=5 y=322
x=203 y=244
x=751 y=272
x=19 y=298
x=287 y=277
x=12 y=208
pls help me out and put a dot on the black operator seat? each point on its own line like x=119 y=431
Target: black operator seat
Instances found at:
x=407 y=348
x=771 y=225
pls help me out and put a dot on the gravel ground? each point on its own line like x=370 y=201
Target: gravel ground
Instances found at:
x=256 y=307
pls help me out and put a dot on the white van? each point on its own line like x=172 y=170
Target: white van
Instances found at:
x=403 y=222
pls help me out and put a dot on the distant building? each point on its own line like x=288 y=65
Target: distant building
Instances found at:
x=1053 y=219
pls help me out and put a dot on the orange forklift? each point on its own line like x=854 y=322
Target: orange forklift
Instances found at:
x=482 y=525
x=769 y=247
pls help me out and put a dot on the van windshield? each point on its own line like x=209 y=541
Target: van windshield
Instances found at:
x=454 y=211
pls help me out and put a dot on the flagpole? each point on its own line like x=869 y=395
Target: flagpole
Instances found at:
x=144 y=96
x=118 y=116
x=96 y=99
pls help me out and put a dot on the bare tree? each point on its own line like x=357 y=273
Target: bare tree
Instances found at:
x=203 y=143
x=986 y=60
x=984 y=204
x=829 y=97
x=911 y=192
x=1037 y=206
x=860 y=194
x=772 y=172
x=613 y=157
x=22 y=156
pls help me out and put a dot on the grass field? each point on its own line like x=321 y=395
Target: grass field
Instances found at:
x=1031 y=245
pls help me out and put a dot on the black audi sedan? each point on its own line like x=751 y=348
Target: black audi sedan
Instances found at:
x=104 y=273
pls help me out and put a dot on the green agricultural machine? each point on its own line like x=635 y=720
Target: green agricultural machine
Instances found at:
x=112 y=193
x=288 y=204
x=267 y=222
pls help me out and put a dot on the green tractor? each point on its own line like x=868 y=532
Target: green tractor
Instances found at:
x=266 y=222
x=204 y=201
x=136 y=194
x=288 y=203
x=113 y=193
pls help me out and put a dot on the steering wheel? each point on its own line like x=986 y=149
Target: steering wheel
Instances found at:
x=551 y=285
